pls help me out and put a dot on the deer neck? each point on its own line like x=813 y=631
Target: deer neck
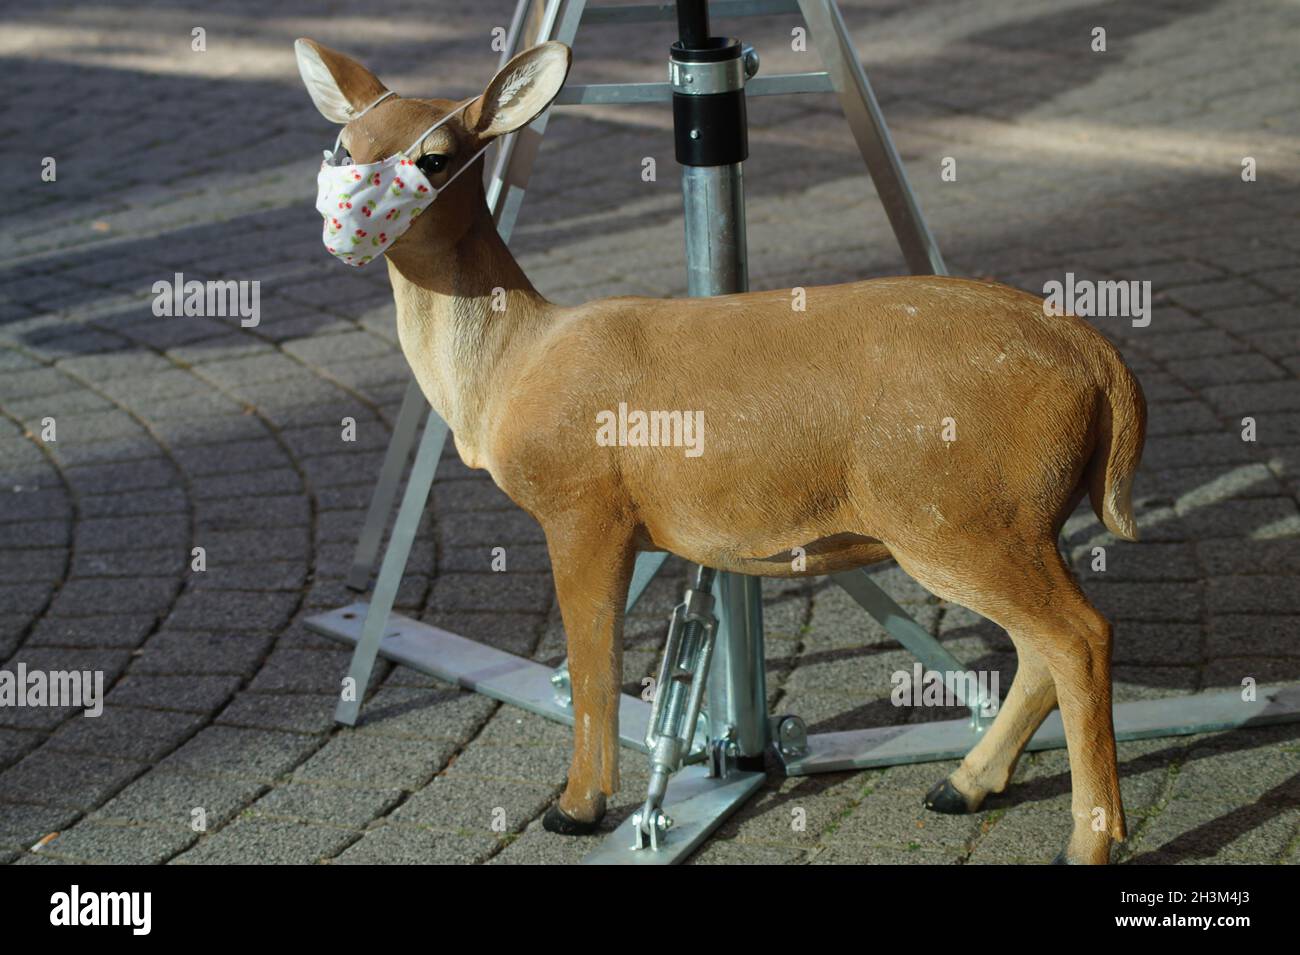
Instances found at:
x=465 y=310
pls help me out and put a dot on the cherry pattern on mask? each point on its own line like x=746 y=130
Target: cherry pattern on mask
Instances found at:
x=366 y=207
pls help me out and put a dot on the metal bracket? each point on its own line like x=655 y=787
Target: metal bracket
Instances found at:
x=789 y=737
x=952 y=739
x=700 y=804
x=679 y=693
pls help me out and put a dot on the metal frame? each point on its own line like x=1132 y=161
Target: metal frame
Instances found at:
x=737 y=705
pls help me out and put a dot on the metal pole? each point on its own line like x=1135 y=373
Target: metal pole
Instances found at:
x=707 y=75
x=738 y=681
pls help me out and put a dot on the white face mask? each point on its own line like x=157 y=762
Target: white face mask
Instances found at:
x=366 y=207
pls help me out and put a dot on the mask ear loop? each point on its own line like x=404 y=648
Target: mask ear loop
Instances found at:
x=410 y=149
x=339 y=138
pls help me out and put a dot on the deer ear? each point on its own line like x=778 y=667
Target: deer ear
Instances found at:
x=521 y=91
x=338 y=85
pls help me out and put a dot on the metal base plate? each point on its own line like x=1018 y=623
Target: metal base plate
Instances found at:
x=952 y=739
x=483 y=669
x=696 y=804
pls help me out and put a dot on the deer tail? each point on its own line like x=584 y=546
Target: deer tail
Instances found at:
x=1121 y=431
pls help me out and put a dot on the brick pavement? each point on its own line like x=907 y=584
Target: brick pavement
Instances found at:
x=175 y=433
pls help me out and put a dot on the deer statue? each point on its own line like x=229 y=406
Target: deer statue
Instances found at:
x=948 y=424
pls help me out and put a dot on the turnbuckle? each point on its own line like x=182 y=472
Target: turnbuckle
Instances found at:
x=679 y=693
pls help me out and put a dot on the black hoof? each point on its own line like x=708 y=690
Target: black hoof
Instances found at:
x=558 y=821
x=945 y=798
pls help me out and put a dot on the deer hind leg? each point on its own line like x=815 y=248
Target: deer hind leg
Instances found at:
x=592 y=564
x=988 y=767
x=1031 y=592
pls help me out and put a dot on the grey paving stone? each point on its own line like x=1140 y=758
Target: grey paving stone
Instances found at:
x=837 y=855
x=1259 y=519
x=500 y=591
x=1146 y=601
x=33 y=503
x=279 y=510
x=125 y=733
x=15 y=743
x=24 y=598
x=146 y=502
x=118 y=478
x=131 y=563
x=129 y=845
x=472 y=495
x=280 y=575
x=1137 y=642
x=1224 y=369
x=37 y=534
x=170 y=799
x=475 y=805
x=405 y=845
x=243 y=753
x=47 y=777
x=1256 y=594
x=230 y=457
x=290 y=712
x=1226 y=557
x=36 y=718
x=138 y=449
x=23 y=825
x=202 y=652
x=233 y=548
x=1252 y=635
x=119 y=534
x=216 y=429
x=38 y=381
x=108 y=661
x=369 y=761
x=1191 y=831
x=524 y=764
x=1171 y=451
x=1254 y=399
x=351 y=807
x=1151 y=561
x=197 y=694
x=1030 y=836
x=303 y=671
x=267 y=842
x=412 y=713
x=94 y=597
x=117 y=630
x=492 y=529
x=232 y=611
x=247 y=484
x=536 y=846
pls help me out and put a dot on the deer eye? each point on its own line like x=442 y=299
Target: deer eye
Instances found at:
x=431 y=164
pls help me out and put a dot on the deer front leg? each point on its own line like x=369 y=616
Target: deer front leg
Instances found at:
x=592 y=564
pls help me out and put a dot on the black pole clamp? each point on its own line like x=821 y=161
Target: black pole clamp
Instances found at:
x=707 y=75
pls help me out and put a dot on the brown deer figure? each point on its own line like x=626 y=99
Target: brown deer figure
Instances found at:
x=825 y=431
